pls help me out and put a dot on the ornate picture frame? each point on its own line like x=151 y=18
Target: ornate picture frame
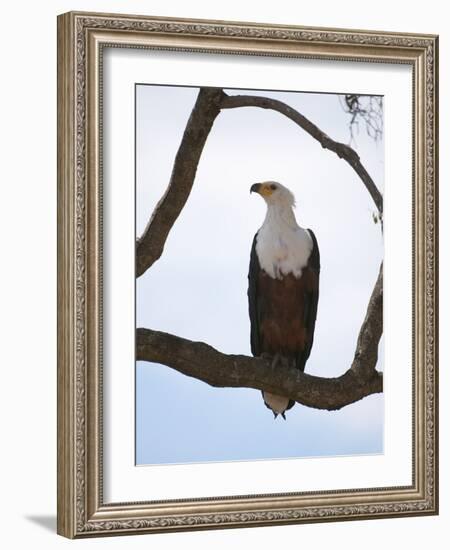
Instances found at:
x=82 y=39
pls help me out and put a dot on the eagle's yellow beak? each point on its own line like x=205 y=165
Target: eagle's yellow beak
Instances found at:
x=262 y=189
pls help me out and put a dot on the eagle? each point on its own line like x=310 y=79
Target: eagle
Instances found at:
x=283 y=287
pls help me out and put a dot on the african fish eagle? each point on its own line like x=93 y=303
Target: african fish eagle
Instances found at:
x=283 y=288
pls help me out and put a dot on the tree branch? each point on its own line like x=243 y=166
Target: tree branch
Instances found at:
x=205 y=363
x=207 y=107
x=217 y=369
x=151 y=244
x=366 y=354
x=343 y=151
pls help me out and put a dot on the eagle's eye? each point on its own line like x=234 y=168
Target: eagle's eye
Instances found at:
x=273 y=187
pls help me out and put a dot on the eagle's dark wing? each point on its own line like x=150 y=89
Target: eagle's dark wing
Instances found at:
x=252 y=293
x=311 y=298
x=284 y=296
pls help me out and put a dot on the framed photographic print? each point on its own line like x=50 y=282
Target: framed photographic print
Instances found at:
x=247 y=274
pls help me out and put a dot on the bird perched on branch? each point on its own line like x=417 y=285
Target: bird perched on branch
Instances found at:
x=283 y=289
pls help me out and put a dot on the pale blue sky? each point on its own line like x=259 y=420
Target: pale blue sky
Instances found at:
x=198 y=288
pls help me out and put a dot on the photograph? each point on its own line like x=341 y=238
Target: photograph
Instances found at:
x=247 y=274
x=270 y=246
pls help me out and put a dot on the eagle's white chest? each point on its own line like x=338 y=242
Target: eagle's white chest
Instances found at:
x=282 y=247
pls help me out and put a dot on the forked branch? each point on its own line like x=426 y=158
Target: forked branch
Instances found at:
x=209 y=103
x=205 y=363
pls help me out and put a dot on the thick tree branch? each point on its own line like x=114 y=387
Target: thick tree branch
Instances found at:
x=342 y=150
x=205 y=363
x=151 y=244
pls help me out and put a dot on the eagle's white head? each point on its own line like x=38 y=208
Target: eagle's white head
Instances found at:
x=274 y=193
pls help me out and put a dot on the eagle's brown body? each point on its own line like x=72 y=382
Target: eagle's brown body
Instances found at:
x=283 y=326
x=283 y=310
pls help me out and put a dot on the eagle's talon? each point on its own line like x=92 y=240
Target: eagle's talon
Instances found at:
x=277 y=358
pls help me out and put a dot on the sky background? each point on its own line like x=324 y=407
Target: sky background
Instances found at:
x=198 y=289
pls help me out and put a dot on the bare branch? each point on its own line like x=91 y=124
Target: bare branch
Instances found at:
x=208 y=105
x=205 y=363
x=217 y=369
x=151 y=245
x=341 y=149
x=366 y=354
